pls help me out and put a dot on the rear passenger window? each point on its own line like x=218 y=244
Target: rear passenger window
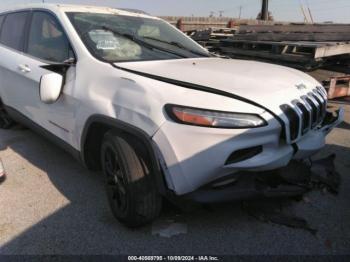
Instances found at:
x=47 y=40
x=13 y=30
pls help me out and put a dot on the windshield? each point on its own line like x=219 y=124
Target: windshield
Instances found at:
x=120 y=38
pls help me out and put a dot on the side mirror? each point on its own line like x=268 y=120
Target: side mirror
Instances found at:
x=50 y=87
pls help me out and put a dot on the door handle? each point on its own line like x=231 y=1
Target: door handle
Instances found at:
x=24 y=68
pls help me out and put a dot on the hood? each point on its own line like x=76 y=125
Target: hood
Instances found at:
x=267 y=84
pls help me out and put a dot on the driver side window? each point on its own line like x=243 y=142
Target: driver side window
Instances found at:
x=47 y=40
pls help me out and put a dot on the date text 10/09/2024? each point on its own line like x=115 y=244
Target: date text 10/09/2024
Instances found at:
x=173 y=258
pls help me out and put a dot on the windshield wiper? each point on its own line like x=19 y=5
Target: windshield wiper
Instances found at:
x=179 y=45
x=140 y=42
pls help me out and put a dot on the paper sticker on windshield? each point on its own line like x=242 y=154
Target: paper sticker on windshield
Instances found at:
x=107 y=44
x=104 y=40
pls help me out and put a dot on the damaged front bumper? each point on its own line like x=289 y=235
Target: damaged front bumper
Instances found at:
x=296 y=179
x=315 y=140
x=194 y=156
x=332 y=120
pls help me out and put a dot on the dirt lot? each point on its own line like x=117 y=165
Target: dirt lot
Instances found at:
x=51 y=205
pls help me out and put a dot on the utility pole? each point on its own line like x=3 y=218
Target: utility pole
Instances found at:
x=240 y=13
x=221 y=12
x=265 y=10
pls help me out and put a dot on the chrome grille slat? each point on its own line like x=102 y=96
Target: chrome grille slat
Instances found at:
x=318 y=106
x=300 y=115
x=309 y=109
x=319 y=97
x=304 y=114
x=313 y=111
x=323 y=92
x=305 y=117
x=322 y=103
x=293 y=118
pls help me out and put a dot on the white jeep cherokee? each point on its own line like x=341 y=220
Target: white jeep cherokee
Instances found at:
x=130 y=94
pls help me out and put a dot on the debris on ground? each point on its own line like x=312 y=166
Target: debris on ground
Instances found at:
x=2 y=172
x=316 y=175
x=319 y=174
x=328 y=243
x=272 y=212
x=168 y=228
x=325 y=175
x=306 y=200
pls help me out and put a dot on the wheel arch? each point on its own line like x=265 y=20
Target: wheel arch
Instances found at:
x=92 y=136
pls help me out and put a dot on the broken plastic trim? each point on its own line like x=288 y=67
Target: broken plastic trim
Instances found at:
x=332 y=120
x=296 y=179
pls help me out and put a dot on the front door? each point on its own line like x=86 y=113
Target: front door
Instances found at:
x=48 y=44
x=28 y=41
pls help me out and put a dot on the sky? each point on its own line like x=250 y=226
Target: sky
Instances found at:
x=282 y=10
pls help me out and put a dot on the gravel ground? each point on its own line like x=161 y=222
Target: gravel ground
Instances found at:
x=51 y=205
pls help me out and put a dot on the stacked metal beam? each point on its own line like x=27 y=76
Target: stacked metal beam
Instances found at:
x=297 y=45
x=304 y=46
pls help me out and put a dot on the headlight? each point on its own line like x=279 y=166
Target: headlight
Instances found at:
x=215 y=119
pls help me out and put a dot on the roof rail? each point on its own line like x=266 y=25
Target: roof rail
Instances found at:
x=136 y=11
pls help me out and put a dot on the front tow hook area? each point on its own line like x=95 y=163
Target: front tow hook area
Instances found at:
x=332 y=120
x=298 y=178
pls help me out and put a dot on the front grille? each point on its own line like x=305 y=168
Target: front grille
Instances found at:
x=322 y=100
x=304 y=114
x=314 y=110
x=306 y=117
x=293 y=118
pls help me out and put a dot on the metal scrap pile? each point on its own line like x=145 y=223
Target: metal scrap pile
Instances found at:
x=211 y=37
x=307 y=47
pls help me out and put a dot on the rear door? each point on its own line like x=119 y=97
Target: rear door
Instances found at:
x=12 y=71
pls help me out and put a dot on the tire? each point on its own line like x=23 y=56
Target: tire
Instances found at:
x=5 y=120
x=131 y=189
